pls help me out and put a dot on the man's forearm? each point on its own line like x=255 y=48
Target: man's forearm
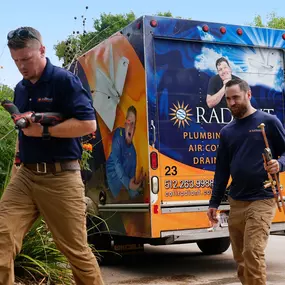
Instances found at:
x=216 y=198
x=221 y=179
x=73 y=128
x=213 y=100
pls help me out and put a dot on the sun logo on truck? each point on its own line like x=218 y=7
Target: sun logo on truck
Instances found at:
x=181 y=114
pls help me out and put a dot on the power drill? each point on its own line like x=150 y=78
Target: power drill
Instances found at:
x=21 y=119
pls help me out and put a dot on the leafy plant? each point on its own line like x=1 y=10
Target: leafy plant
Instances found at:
x=7 y=138
x=40 y=260
x=105 y=26
x=86 y=155
x=273 y=21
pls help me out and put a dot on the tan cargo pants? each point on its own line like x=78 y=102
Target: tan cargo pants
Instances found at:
x=59 y=198
x=249 y=227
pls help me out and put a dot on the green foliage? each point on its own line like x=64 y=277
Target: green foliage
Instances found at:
x=276 y=22
x=109 y=24
x=169 y=14
x=7 y=144
x=40 y=260
x=164 y=14
x=104 y=27
x=273 y=21
x=257 y=21
x=6 y=92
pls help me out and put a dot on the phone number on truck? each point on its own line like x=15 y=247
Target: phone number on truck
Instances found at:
x=188 y=184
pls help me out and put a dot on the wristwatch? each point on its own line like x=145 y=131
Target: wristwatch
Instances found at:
x=45 y=133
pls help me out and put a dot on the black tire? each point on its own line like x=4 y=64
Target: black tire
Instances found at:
x=214 y=246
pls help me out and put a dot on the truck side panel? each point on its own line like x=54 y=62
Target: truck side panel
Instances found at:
x=115 y=76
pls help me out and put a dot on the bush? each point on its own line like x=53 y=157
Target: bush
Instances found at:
x=40 y=260
x=7 y=142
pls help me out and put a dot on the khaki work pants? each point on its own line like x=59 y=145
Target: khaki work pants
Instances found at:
x=59 y=198
x=249 y=228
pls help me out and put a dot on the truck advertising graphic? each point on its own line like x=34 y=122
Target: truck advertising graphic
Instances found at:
x=153 y=86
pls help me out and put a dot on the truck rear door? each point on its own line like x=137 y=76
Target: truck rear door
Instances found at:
x=188 y=129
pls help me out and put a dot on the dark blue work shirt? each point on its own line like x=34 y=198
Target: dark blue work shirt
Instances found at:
x=58 y=90
x=240 y=156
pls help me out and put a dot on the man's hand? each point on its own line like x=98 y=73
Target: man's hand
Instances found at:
x=226 y=80
x=272 y=166
x=133 y=185
x=212 y=215
x=14 y=170
x=33 y=130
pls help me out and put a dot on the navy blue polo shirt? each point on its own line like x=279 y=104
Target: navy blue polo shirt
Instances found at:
x=58 y=90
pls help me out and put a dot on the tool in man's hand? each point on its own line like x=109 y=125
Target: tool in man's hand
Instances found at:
x=267 y=156
x=21 y=119
x=272 y=179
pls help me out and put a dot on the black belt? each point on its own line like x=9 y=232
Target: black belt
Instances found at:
x=43 y=167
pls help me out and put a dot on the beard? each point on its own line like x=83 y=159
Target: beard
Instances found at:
x=239 y=111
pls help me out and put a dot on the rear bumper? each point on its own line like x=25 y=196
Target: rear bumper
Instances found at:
x=201 y=234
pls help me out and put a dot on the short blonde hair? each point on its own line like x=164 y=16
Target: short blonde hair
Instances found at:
x=19 y=42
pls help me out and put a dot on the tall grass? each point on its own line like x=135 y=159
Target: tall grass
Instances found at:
x=40 y=260
x=7 y=147
x=7 y=144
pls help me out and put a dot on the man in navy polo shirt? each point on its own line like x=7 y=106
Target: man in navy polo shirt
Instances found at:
x=48 y=182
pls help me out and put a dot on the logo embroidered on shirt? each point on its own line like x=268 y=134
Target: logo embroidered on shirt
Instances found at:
x=255 y=131
x=45 y=100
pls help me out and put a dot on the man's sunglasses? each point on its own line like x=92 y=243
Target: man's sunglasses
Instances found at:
x=22 y=34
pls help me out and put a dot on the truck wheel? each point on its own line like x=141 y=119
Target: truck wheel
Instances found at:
x=214 y=246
